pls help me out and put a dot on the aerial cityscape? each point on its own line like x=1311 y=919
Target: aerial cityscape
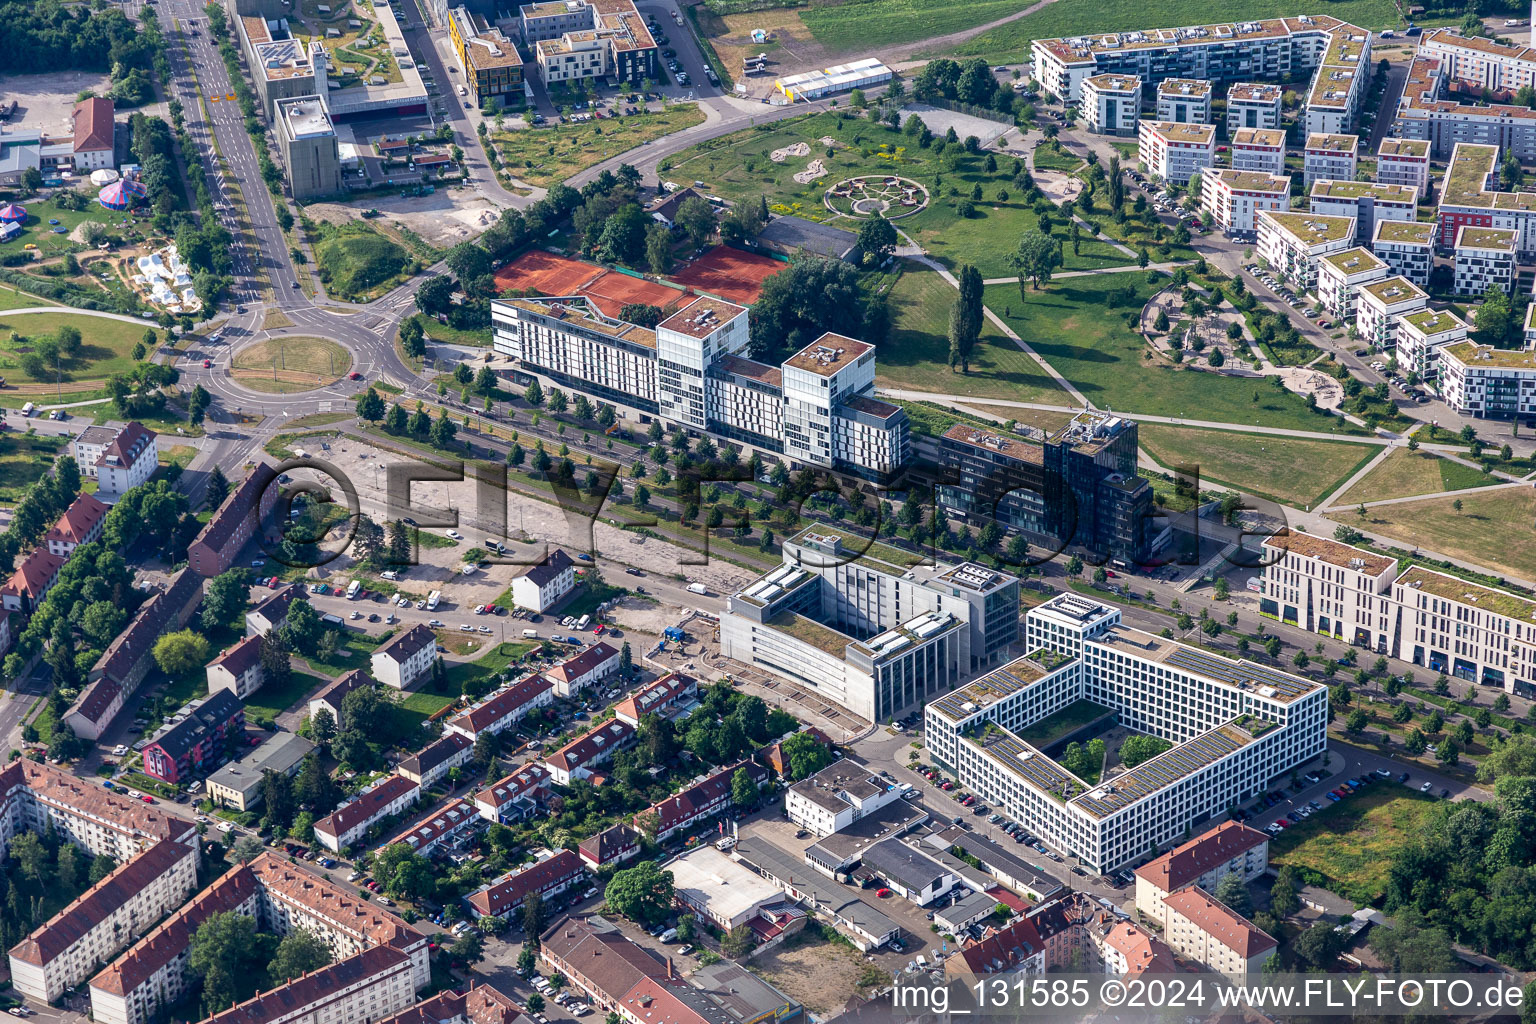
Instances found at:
x=760 y=512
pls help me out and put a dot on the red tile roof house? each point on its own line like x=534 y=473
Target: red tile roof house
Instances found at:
x=611 y=846
x=429 y=835
x=577 y=758
x=123 y=665
x=235 y=522
x=592 y=665
x=657 y=698
x=95 y=134
x=238 y=669
x=515 y=797
x=200 y=742
x=377 y=980
x=704 y=799
x=549 y=877
x=504 y=708
x=351 y=821
x=80 y=524
x=1228 y=848
x=331 y=697
x=130 y=460
x=479 y=1003
x=31 y=581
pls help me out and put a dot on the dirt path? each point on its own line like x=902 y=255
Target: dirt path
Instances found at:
x=900 y=57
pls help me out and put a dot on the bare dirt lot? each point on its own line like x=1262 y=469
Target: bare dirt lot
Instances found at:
x=819 y=975
x=444 y=218
x=789 y=46
x=46 y=101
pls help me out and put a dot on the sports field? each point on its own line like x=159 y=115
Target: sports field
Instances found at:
x=613 y=291
x=609 y=291
x=732 y=274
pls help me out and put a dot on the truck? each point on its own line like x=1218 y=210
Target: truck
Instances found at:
x=432 y=599
x=353 y=588
x=697 y=588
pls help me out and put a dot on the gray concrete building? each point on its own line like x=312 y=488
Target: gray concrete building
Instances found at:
x=307 y=144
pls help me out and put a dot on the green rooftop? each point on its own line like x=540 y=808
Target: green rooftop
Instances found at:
x=1422 y=233
x=1472 y=354
x=1430 y=322
x=812 y=632
x=1466 y=177
x=1333 y=143
x=1353 y=261
x=1502 y=239
x=1450 y=588
x=1312 y=228
x=1395 y=289
x=1329 y=188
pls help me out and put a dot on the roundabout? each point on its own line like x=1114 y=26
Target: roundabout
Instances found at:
x=869 y=196
x=288 y=364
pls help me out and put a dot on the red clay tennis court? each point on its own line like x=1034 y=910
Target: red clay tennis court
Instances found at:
x=547 y=273
x=732 y=274
x=612 y=291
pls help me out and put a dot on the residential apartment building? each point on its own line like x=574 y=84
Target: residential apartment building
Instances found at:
x=1485 y=259
x=1326 y=587
x=449 y=825
x=238 y=668
x=1080 y=486
x=539 y=588
x=272 y=611
x=1258 y=149
x=614 y=845
x=1340 y=275
x=236 y=522
x=659 y=697
x=351 y=821
x=836 y=797
x=127 y=461
x=1231 y=848
x=590 y=39
x=1236 y=726
x=1367 y=201
x=589 y=668
x=516 y=796
x=1420 y=338
x=1469 y=197
x=308 y=146
x=1328 y=157
x=88 y=446
x=551 y=876
x=1175 y=152
x=238 y=784
x=870 y=636
x=504 y=708
x=1408 y=248
x=31 y=581
x=437 y=759
x=1293 y=243
x=363 y=988
x=1253 y=105
x=701 y=800
x=492 y=66
x=80 y=524
x=1479 y=380
x=1380 y=307
x=331 y=697
x=1203 y=929
x=1111 y=104
x=199 y=739
x=1404 y=162
x=821 y=411
x=1234 y=197
x=590 y=750
x=405 y=659
x=1433 y=105
x=1184 y=100
x=1337 y=55
x=67 y=949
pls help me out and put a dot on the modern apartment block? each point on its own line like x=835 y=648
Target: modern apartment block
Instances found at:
x=1111 y=104
x=1422 y=336
x=1237 y=726
x=1442 y=622
x=817 y=408
x=1449 y=66
x=1293 y=243
x=1080 y=486
x=1485 y=258
x=867 y=630
x=1367 y=201
x=1337 y=54
x=1341 y=275
x=1329 y=157
x=1253 y=105
x=1408 y=247
x=1478 y=380
x=1258 y=149
x=1381 y=306
x=1233 y=197
x=1176 y=152
x=1469 y=197
x=493 y=69
x=307 y=144
x=1404 y=162
x=577 y=39
x=1186 y=100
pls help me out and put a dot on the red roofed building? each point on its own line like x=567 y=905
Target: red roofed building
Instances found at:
x=1204 y=860
x=478 y=1004
x=515 y=797
x=430 y=834
x=234 y=523
x=1129 y=952
x=592 y=665
x=130 y=460
x=348 y=823
x=658 y=698
x=376 y=981
x=238 y=669
x=704 y=799
x=577 y=758
x=80 y=524
x=95 y=134
x=1203 y=929
x=549 y=877
x=31 y=581
x=504 y=708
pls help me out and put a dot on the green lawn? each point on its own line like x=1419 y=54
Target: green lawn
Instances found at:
x=40 y=233
x=1349 y=846
x=917 y=356
x=1056 y=158
x=10 y=298
x=494 y=662
x=1010 y=42
x=1071 y=324
x=863 y=24
x=1404 y=474
x=1493 y=528
x=352 y=651
x=1292 y=471
x=107 y=347
x=271 y=701
x=23 y=461
x=544 y=156
x=988 y=237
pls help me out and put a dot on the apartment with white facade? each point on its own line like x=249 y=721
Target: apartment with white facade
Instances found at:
x=1253 y=105
x=1111 y=104
x=1329 y=156
x=1326 y=587
x=1408 y=247
x=1176 y=152
x=238 y=668
x=81 y=523
x=1236 y=726
x=1380 y=307
x=1368 y=202
x=1293 y=243
x=1340 y=275
x=1420 y=338
x=350 y=822
x=1202 y=928
x=405 y=659
x=1479 y=380
x=538 y=588
x=1186 y=100
x=1470 y=197
x=1231 y=848
x=1233 y=197
x=504 y=708
x=1404 y=162
x=1258 y=149
x=1485 y=258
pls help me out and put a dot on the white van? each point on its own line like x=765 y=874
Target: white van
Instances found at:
x=530 y=634
x=922 y=961
x=28 y=409
x=352 y=590
x=581 y=626
x=697 y=588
